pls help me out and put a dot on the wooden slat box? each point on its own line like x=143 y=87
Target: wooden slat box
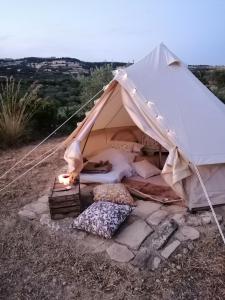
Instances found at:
x=64 y=201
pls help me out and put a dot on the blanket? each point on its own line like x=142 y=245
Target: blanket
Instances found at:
x=97 y=167
x=151 y=191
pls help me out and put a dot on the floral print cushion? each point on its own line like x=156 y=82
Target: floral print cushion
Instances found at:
x=113 y=192
x=122 y=145
x=102 y=218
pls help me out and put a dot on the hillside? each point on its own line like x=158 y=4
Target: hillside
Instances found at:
x=40 y=68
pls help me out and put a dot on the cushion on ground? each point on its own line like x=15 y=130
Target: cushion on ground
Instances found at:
x=102 y=218
x=116 y=193
x=145 y=169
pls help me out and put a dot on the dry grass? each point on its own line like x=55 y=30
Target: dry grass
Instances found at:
x=16 y=109
x=38 y=264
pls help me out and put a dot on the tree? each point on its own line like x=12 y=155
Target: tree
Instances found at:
x=91 y=85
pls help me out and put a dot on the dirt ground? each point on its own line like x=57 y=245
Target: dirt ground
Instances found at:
x=39 y=264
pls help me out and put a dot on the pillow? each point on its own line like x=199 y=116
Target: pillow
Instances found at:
x=137 y=147
x=113 y=192
x=114 y=156
x=145 y=169
x=102 y=218
x=122 y=145
x=129 y=156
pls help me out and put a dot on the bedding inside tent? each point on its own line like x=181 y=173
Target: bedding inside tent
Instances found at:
x=112 y=132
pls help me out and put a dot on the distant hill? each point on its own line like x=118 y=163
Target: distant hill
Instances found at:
x=37 y=67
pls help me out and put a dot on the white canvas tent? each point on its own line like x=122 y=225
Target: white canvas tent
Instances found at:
x=164 y=100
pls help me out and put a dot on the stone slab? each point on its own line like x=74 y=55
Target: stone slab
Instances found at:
x=134 y=234
x=168 y=250
x=194 y=220
x=174 y=209
x=157 y=217
x=187 y=233
x=179 y=218
x=145 y=208
x=155 y=263
x=119 y=253
x=27 y=214
x=142 y=257
x=159 y=238
x=37 y=207
x=43 y=199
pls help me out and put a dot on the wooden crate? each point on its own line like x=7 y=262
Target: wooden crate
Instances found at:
x=64 y=201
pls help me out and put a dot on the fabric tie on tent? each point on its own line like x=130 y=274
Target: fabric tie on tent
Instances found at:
x=175 y=170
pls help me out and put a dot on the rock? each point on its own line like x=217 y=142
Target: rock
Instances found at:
x=119 y=253
x=155 y=263
x=160 y=238
x=166 y=252
x=187 y=233
x=190 y=246
x=157 y=217
x=43 y=199
x=45 y=219
x=145 y=208
x=174 y=209
x=194 y=220
x=185 y=251
x=179 y=218
x=27 y=214
x=37 y=207
x=206 y=218
x=142 y=258
x=134 y=234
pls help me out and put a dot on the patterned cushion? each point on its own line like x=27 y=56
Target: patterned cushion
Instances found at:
x=122 y=145
x=102 y=218
x=113 y=192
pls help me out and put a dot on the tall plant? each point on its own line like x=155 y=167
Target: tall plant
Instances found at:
x=17 y=107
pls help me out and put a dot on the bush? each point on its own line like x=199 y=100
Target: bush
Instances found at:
x=17 y=106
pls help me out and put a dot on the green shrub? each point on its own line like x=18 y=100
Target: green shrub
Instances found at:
x=16 y=109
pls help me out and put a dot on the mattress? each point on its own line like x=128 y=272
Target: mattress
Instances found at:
x=113 y=176
x=120 y=167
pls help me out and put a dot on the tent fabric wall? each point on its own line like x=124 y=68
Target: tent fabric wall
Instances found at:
x=164 y=100
x=213 y=178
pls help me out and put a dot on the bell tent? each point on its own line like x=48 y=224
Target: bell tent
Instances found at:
x=160 y=99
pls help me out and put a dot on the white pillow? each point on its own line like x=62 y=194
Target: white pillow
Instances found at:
x=137 y=147
x=114 y=156
x=145 y=169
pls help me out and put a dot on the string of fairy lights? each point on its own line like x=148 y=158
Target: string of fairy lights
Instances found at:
x=150 y=104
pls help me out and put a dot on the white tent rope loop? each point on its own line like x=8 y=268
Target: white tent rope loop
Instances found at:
x=45 y=139
x=210 y=203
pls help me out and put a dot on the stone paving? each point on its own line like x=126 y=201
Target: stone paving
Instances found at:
x=152 y=234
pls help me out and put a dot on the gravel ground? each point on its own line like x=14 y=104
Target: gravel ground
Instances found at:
x=36 y=263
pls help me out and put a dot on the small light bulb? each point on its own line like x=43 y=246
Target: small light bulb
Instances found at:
x=134 y=91
x=158 y=117
x=150 y=104
x=170 y=132
x=125 y=76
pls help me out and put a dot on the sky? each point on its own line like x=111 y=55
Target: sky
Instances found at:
x=119 y=30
